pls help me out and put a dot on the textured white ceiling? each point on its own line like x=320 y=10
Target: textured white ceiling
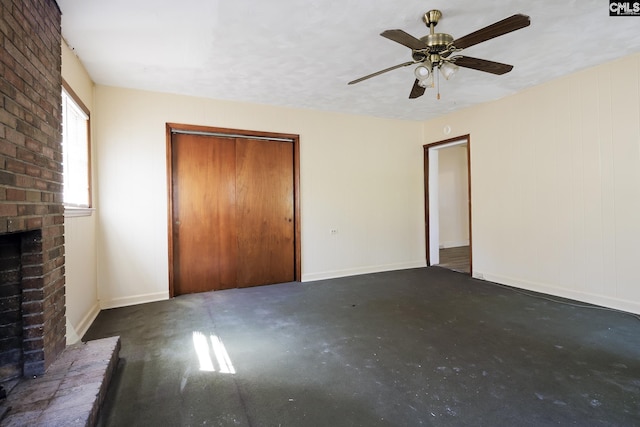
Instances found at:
x=302 y=53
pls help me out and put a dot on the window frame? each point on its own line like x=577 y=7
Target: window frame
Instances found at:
x=70 y=209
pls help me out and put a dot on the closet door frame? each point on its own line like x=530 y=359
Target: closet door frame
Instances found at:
x=172 y=128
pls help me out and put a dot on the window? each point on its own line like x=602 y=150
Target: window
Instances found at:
x=75 y=151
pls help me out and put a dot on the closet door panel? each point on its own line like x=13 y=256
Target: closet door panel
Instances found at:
x=205 y=250
x=265 y=212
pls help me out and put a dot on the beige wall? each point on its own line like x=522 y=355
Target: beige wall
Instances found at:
x=80 y=236
x=360 y=175
x=555 y=188
x=555 y=177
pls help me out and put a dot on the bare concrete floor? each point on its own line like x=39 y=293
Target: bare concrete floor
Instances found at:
x=417 y=347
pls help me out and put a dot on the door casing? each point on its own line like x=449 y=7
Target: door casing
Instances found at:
x=431 y=199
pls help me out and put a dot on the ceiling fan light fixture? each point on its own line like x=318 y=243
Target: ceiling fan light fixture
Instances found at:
x=424 y=74
x=448 y=69
x=426 y=82
x=422 y=71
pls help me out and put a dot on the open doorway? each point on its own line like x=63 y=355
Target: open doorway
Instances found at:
x=447 y=169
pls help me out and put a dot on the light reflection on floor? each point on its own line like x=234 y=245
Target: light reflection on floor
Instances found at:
x=203 y=351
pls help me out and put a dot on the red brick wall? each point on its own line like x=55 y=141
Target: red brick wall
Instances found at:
x=31 y=167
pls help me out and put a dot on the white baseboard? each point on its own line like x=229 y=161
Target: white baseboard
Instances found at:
x=361 y=270
x=454 y=244
x=133 y=300
x=75 y=332
x=87 y=320
x=589 y=298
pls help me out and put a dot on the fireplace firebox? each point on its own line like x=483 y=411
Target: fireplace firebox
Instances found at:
x=22 y=305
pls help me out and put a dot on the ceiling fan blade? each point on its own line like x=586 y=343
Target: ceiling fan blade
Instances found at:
x=377 y=73
x=499 y=28
x=482 y=65
x=404 y=38
x=416 y=91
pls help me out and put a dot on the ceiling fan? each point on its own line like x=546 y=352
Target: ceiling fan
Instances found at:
x=437 y=50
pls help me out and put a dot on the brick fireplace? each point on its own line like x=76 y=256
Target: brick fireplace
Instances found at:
x=32 y=300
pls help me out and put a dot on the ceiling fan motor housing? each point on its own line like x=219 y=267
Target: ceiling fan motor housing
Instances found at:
x=437 y=42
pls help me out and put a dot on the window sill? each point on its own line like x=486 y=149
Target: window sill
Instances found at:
x=71 y=212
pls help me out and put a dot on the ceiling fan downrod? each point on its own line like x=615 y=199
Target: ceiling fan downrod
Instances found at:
x=435 y=42
x=431 y=19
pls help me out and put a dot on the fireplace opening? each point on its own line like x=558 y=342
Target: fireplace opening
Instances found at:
x=21 y=304
x=10 y=307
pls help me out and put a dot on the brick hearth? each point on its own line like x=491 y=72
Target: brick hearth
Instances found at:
x=70 y=393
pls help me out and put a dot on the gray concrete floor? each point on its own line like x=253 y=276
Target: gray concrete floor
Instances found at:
x=417 y=347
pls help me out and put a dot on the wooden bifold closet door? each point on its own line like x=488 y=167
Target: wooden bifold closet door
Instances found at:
x=232 y=212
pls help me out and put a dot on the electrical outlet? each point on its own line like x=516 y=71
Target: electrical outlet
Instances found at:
x=333 y=231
